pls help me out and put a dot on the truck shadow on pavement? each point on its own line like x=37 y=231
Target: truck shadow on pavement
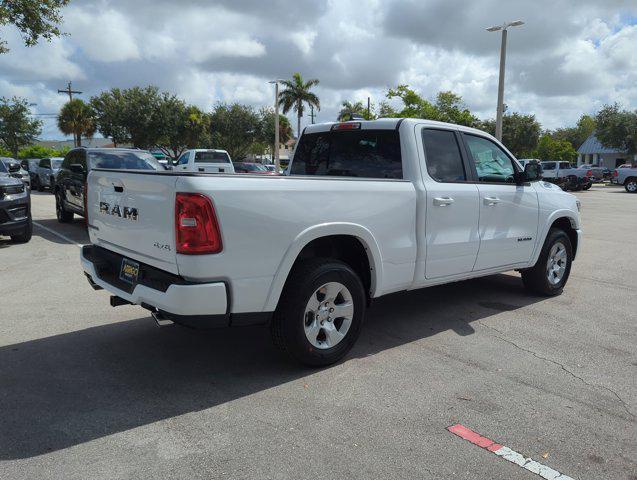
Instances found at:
x=68 y=389
x=75 y=230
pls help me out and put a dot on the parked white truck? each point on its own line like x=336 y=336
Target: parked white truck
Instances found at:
x=366 y=209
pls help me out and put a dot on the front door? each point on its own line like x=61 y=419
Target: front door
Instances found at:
x=452 y=206
x=508 y=212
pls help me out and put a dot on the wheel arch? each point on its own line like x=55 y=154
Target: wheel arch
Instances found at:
x=353 y=242
x=565 y=220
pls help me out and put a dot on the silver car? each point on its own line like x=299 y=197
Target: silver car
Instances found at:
x=46 y=173
x=15 y=170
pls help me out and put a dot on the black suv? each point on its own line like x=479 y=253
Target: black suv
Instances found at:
x=71 y=179
x=15 y=208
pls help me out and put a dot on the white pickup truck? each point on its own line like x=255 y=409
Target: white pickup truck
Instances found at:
x=365 y=209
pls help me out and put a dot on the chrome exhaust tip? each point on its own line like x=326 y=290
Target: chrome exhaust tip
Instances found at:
x=161 y=320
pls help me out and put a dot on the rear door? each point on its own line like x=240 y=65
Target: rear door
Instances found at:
x=132 y=213
x=508 y=212
x=451 y=204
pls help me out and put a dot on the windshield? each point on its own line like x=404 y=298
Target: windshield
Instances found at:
x=125 y=160
x=56 y=162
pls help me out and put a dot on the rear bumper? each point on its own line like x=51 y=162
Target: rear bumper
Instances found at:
x=178 y=301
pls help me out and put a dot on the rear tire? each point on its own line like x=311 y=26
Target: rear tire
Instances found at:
x=62 y=214
x=26 y=234
x=306 y=324
x=631 y=185
x=553 y=267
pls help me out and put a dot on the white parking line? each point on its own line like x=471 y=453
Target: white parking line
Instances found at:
x=57 y=234
x=507 y=454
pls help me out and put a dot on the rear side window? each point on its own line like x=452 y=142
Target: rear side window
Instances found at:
x=359 y=153
x=442 y=156
x=211 y=157
x=124 y=160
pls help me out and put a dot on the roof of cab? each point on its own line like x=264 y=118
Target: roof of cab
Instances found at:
x=391 y=124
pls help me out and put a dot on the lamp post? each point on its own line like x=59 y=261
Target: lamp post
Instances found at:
x=277 y=161
x=503 y=52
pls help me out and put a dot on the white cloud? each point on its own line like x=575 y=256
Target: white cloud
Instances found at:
x=569 y=58
x=105 y=35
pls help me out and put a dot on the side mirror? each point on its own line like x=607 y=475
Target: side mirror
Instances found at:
x=76 y=168
x=14 y=167
x=533 y=171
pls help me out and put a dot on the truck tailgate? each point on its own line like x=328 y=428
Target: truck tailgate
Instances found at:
x=132 y=213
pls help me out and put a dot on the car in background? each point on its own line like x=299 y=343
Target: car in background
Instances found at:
x=70 y=181
x=597 y=173
x=626 y=176
x=31 y=166
x=14 y=168
x=15 y=207
x=254 y=168
x=205 y=160
x=47 y=171
x=615 y=173
x=566 y=176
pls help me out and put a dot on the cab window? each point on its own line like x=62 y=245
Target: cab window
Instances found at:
x=442 y=156
x=492 y=164
x=183 y=160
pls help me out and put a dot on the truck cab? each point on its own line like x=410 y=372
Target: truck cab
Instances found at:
x=205 y=161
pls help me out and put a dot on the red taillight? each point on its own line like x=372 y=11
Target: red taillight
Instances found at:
x=347 y=126
x=589 y=173
x=196 y=227
x=615 y=173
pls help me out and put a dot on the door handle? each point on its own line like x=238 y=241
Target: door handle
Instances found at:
x=491 y=201
x=443 y=201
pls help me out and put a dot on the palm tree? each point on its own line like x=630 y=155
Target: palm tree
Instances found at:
x=296 y=94
x=76 y=118
x=349 y=108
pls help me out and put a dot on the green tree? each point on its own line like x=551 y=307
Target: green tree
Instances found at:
x=448 y=107
x=182 y=126
x=234 y=128
x=34 y=19
x=357 y=108
x=451 y=109
x=265 y=136
x=38 y=151
x=109 y=108
x=550 y=149
x=141 y=117
x=296 y=94
x=17 y=128
x=578 y=134
x=76 y=118
x=617 y=128
x=520 y=133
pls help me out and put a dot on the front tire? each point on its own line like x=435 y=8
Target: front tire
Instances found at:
x=26 y=234
x=61 y=213
x=631 y=185
x=551 y=272
x=320 y=313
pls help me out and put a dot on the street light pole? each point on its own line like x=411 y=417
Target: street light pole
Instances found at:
x=277 y=161
x=503 y=53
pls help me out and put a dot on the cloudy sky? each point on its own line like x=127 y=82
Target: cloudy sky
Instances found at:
x=569 y=58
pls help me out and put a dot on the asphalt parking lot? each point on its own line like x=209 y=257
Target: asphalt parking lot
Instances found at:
x=89 y=391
